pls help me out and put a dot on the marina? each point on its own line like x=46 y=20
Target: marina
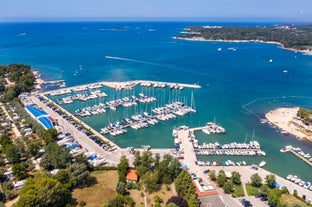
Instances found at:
x=141 y=103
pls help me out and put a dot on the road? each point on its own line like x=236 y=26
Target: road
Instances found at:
x=64 y=126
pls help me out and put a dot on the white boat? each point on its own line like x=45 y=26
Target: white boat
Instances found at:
x=262 y=163
x=289 y=177
x=174 y=133
x=271 y=61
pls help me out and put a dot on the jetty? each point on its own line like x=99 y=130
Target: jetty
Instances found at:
x=128 y=85
x=306 y=157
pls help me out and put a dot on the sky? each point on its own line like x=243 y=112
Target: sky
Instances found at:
x=145 y=10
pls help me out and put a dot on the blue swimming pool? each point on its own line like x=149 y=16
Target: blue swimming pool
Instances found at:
x=36 y=112
x=46 y=122
x=42 y=116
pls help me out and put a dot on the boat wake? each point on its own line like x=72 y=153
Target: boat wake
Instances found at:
x=157 y=64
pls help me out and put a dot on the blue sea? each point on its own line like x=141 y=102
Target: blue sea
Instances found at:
x=238 y=86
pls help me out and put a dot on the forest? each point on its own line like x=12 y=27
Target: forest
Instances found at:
x=291 y=37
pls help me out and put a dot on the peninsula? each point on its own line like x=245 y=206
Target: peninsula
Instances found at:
x=288 y=120
x=298 y=38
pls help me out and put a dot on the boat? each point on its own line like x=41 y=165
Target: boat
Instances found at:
x=174 y=133
x=285 y=71
x=289 y=177
x=262 y=163
x=271 y=61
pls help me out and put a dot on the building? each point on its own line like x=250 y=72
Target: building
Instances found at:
x=132 y=176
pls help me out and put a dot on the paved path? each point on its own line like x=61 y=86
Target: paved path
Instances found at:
x=14 y=128
x=189 y=160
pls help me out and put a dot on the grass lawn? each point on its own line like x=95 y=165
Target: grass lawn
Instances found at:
x=139 y=200
x=238 y=191
x=251 y=190
x=99 y=193
x=290 y=201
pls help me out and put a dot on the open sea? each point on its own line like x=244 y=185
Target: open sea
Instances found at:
x=238 y=85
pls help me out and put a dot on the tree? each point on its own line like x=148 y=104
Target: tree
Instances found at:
x=5 y=142
x=147 y=159
x=150 y=181
x=49 y=135
x=121 y=188
x=55 y=157
x=33 y=148
x=19 y=171
x=12 y=154
x=236 y=178
x=137 y=159
x=168 y=169
x=122 y=168
x=63 y=177
x=256 y=180
x=43 y=191
x=171 y=205
x=157 y=160
x=212 y=175
x=178 y=201
x=270 y=180
x=78 y=174
x=121 y=201
x=221 y=178
x=186 y=189
x=228 y=187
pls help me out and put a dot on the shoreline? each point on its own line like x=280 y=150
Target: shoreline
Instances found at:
x=285 y=119
x=308 y=52
x=37 y=75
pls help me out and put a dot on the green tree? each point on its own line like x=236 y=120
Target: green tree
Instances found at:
x=236 y=178
x=5 y=142
x=228 y=187
x=122 y=168
x=78 y=174
x=147 y=159
x=270 y=180
x=212 y=175
x=55 y=157
x=43 y=192
x=19 y=171
x=150 y=181
x=137 y=159
x=64 y=178
x=157 y=160
x=33 y=148
x=12 y=154
x=49 y=135
x=256 y=180
x=185 y=188
x=121 y=188
x=221 y=178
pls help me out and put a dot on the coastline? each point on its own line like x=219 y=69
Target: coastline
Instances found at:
x=308 y=52
x=38 y=79
x=284 y=118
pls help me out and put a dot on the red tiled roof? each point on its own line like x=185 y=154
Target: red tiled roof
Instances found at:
x=131 y=175
x=204 y=193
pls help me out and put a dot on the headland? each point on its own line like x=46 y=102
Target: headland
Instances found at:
x=286 y=119
x=288 y=37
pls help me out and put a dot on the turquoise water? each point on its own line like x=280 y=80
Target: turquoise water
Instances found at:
x=238 y=87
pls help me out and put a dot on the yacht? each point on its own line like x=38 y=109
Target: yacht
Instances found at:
x=262 y=163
